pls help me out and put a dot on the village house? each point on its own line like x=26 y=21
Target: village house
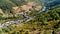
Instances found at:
x=38 y=7
x=26 y=8
x=31 y=3
x=16 y=9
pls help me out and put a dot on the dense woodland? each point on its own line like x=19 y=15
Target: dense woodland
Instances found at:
x=46 y=22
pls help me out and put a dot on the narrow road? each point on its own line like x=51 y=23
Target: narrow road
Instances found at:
x=21 y=21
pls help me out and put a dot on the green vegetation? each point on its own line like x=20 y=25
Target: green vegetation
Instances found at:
x=47 y=22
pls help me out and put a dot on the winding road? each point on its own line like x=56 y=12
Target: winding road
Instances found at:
x=20 y=21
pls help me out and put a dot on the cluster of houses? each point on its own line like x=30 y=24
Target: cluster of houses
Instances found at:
x=11 y=22
x=14 y=22
x=26 y=8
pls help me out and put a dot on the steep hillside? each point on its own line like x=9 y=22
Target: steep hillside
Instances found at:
x=29 y=16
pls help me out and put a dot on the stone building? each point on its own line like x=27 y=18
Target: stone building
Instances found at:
x=16 y=9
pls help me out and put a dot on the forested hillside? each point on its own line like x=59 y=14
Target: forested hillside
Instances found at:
x=29 y=16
